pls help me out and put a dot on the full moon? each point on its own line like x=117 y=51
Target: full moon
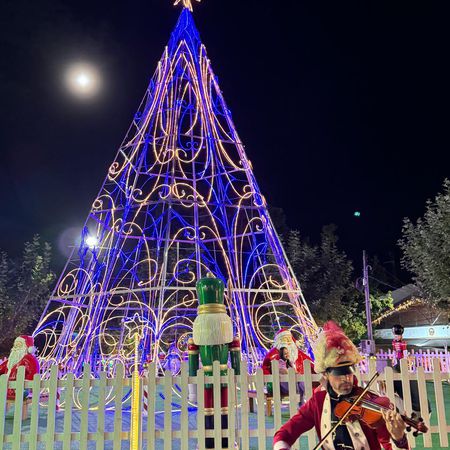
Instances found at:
x=82 y=80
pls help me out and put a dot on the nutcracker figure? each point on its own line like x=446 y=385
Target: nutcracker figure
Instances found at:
x=213 y=341
x=398 y=344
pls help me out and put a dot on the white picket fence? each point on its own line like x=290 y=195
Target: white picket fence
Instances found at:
x=419 y=359
x=94 y=412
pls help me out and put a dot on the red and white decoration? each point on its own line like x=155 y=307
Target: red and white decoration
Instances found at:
x=22 y=354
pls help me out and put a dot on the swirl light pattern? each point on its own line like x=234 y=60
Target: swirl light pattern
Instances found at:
x=180 y=199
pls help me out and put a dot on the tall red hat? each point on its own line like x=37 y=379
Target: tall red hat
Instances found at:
x=333 y=348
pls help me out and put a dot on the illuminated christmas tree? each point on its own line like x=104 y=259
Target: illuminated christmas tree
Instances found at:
x=179 y=200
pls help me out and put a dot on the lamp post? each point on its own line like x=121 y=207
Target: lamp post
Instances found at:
x=371 y=343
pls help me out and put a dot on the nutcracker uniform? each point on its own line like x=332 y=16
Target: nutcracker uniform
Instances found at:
x=213 y=341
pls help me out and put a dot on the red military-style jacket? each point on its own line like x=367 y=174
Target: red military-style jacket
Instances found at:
x=314 y=414
x=31 y=364
x=399 y=348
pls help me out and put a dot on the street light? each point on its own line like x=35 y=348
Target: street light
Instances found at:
x=91 y=242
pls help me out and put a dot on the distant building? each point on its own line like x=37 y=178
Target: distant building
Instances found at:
x=426 y=326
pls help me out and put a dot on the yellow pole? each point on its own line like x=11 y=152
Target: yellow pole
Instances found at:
x=135 y=406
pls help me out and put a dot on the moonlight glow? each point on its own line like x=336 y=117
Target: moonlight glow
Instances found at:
x=82 y=80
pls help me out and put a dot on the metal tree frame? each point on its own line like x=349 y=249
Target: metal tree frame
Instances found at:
x=179 y=200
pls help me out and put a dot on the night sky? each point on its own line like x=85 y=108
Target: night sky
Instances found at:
x=342 y=106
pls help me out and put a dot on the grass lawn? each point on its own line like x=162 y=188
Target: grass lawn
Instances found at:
x=431 y=397
x=419 y=439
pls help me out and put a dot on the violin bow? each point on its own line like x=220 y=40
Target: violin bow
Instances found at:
x=349 y=410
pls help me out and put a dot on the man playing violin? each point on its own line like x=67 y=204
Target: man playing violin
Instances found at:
x=335 y=357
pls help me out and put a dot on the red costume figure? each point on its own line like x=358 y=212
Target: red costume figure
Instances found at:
x=296 y=357
x=22 y=354
x=398 y=344
x=335 y=356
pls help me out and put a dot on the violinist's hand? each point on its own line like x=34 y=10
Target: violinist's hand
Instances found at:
x=394 y=424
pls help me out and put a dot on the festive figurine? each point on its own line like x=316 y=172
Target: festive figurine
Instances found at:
x=173 y=360
x=213 y=341
x=284 y=339
x=398 y=344
x=22 y=354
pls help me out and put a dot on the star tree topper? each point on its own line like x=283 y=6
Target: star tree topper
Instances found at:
x=186 y=3
x=136 y=324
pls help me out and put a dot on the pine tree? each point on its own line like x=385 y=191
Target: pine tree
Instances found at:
x=426 y=248
x=326 y=276
x=323 y=271
x=24 y=289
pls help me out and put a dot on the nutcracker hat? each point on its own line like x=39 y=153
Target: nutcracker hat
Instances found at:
x=398 y=329
x=28 y=341
x=334 y=349
x=212 y=326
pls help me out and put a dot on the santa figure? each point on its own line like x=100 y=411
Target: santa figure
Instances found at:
x=284 y=340
x=22 y=354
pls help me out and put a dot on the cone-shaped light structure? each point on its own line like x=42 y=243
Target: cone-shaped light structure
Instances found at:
x=179 y=200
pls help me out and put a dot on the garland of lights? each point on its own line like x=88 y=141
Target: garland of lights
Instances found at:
x=180 y=200
x=402 y=307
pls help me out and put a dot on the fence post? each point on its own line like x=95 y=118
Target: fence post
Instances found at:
x=243 y=383
x=68 y=405
x=276 y=401
x=34 y=422
x=84 y=413
x=261 y=411
x=423 y=398
x=217 y=391
x=292 y=386
x=184 y=406
x=167 y=410
x=3 y=391
x=389 y=381
x=311 y=434
x=440 y=407
x=18 y=405
x=100 y=435
x=201 y=408
x=151 y=396
x=231 y=408
x=118 y=393
x=51 y=411
x=406 y=376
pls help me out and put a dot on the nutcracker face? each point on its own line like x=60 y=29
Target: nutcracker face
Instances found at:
x=398 y=337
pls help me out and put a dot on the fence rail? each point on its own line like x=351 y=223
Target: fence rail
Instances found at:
x=420 y=358
x=95 y=412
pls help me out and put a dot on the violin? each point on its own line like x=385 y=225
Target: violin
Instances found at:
x=367 y=406
x=368 y=409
